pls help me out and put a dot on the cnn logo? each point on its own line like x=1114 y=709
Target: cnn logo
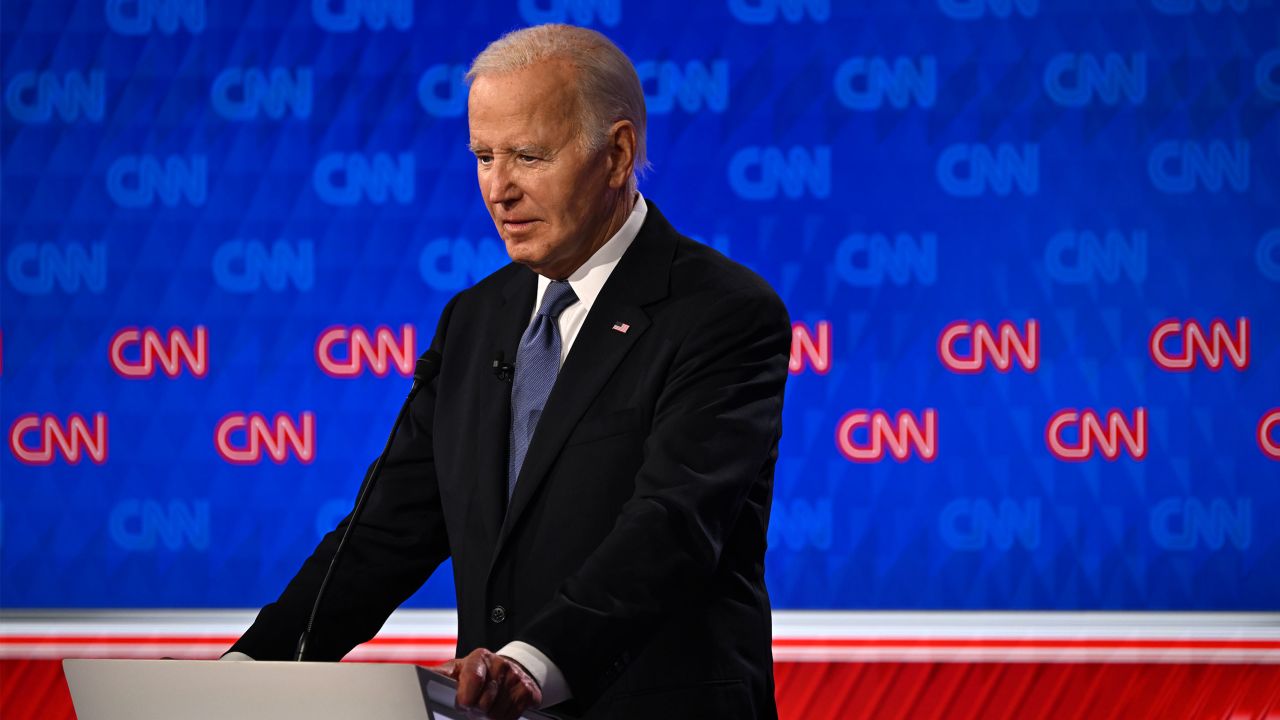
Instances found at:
x=1076 y=436
x=1177 y=346
x=867 y=436
x=40 y=439
x=249 y=438
x=346 y=351
x=967 y=348
x=136 y=352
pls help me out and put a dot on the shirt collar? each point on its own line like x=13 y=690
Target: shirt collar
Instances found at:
x=588 y=280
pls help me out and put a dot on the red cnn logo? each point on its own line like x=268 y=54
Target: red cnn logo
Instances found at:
x=983 y=345
x=174 y=352
x=1194 y=343
x=899 y=436
x=278 y=438
x=806 y=350
x=71 y=441
x=1266 y=428
x=1090 y=433
x=378 y=353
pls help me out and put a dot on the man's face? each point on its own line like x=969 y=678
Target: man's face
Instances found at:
x=548 y=197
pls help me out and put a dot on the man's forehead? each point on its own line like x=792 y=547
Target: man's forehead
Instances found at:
x=519 y=126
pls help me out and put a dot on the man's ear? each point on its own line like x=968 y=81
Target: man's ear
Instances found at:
x=620 y=147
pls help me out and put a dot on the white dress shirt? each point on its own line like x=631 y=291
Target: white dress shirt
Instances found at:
x=587 y=282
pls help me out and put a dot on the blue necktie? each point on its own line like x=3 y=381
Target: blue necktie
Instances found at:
x=537 y=364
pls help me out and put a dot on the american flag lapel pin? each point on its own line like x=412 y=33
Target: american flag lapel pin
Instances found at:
x=621 y=327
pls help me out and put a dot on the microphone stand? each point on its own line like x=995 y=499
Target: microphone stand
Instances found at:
x=427 y=368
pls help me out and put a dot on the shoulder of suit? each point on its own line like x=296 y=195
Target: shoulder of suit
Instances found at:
x=698 y=268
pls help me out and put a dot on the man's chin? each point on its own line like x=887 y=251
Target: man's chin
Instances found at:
x=522 y=254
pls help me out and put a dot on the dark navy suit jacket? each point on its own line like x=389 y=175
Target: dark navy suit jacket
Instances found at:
x=632 y=551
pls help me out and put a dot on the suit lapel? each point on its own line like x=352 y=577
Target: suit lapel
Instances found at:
x=641 y=277
x=495 y=403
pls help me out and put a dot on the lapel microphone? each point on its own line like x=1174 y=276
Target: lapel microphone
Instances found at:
x=504 y=371
x=426 y=370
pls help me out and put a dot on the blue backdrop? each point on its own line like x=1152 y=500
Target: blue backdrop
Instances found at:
x=278 y=181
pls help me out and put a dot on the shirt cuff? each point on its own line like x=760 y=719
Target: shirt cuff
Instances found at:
x=555 y=689
x=235 y=656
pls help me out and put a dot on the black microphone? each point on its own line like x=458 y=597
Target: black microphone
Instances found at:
x=424 y=372
x=504 y=371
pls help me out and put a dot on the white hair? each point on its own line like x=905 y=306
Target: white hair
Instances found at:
x=607 y=85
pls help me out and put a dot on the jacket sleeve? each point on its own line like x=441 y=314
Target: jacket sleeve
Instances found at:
x=715 y=426
x=398 y=543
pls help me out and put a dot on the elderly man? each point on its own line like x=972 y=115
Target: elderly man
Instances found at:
x=606 y=501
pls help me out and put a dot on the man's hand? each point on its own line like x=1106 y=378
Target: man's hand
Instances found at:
x=496 y=686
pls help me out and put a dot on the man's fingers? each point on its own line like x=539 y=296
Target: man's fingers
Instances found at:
x=518 y=698
x=494 y=685
x=448 y=669
x=504 y=708
x=520 y=693
x=472 y=674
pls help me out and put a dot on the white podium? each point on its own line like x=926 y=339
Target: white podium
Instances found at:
x=204 y=690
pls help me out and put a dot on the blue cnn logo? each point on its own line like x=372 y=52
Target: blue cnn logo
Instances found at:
x=247 y=266
x=1268 y=255
x=1075 y=80
x=344 y=16
x=1186 y=7
x=867 y=260
x=1187 y=523
x=142 y=525
x=974 y=9
x=971 y=170
x=135 y=181
x=442 y=90
x=1264 y=75
x=865 y=83
x=765 y=12
x=976 y=524
x=349 y=179
x=760 y=173
x=453 y=264
x=577 y=12
x=32 y=96
x=246 y=93
x=138 y=17
x=1080 y=258
x=35 y=268
x=692 y=86
x=1182 y=167
x=801 y=524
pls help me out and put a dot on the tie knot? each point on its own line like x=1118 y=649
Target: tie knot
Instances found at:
x=557 y=297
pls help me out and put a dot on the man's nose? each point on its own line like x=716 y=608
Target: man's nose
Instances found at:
x=501 y=187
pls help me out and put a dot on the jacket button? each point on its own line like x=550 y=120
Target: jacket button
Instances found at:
x=497 y=614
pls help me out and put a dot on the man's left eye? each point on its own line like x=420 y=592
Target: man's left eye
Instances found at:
x=528 y=159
